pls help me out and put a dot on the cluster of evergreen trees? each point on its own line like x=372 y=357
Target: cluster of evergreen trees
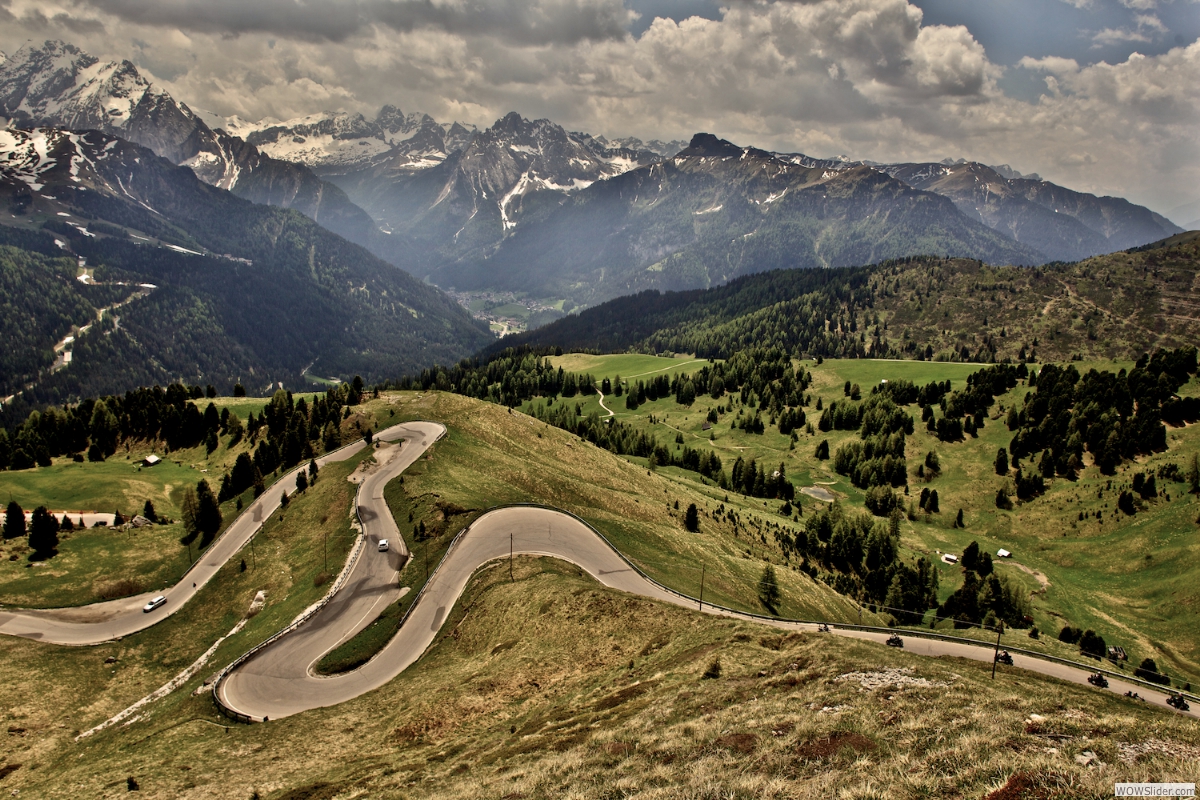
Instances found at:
x=878 y=459
x=750 y=479
x=292 y=431
x=1112 y=416
x=171 y=416
x=964 y=411
x=659 y=386
x=97 y=425
x=984 y=598
x=42 y=529
x=861 y=556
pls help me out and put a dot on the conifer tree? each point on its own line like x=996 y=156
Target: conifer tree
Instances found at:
x=43 y=534
x=14 y=521
x=768 y=588
x=208 y=513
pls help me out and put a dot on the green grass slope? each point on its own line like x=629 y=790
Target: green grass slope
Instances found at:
x=1130 y=578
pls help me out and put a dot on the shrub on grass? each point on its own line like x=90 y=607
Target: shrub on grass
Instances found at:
x=1092 y=644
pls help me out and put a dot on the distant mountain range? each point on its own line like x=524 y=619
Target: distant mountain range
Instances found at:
x=528 y=205
x=717 y=211
x=61 y=86
x=237 y=291
x=461 y=198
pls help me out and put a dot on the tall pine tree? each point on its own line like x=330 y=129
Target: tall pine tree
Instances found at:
x=14 y=521
x=43 y=534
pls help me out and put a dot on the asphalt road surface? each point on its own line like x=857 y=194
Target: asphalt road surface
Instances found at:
x=102 y=622
x=278 y=681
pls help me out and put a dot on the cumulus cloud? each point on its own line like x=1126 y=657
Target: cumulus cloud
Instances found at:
x=867 y=78
x=1052 y=64
x=1109 y=36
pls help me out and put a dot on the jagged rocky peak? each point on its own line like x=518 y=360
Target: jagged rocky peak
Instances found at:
x=706 y=145
x=656 y=146
x=544 y=153
x=341 y=142
x=1011 y=174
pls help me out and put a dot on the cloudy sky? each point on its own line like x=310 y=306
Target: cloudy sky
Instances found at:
x=1099 y=95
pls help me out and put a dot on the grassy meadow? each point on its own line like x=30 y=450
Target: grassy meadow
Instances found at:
x=1132 y=579
x=92 y=561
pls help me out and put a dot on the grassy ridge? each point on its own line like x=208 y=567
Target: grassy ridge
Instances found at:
x=490 y=457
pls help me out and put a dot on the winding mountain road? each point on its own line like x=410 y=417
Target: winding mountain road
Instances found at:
x=277 y=680
x=106 y=621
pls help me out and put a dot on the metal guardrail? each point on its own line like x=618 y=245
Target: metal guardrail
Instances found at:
x=343 y=576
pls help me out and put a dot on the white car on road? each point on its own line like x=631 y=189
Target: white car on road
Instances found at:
x=383 y=545
x=154 y=603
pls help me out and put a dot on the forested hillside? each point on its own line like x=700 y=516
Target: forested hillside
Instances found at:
x=1117 y=305
x=241 y=292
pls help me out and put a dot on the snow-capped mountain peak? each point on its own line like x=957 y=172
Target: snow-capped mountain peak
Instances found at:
x=340 y=142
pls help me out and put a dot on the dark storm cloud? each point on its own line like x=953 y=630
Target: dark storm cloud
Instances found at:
x=526 y=22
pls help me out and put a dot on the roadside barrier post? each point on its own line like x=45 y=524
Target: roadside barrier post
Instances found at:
x=996 y=654
x=510 y=557
x=701 y=587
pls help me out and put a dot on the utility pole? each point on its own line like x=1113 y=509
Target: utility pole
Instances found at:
x=996 y=654
x=325 y=547
x=425 y=550
x=253 y=556
x=701 y=587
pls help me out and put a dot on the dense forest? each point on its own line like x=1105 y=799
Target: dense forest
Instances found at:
x=1115 y=305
